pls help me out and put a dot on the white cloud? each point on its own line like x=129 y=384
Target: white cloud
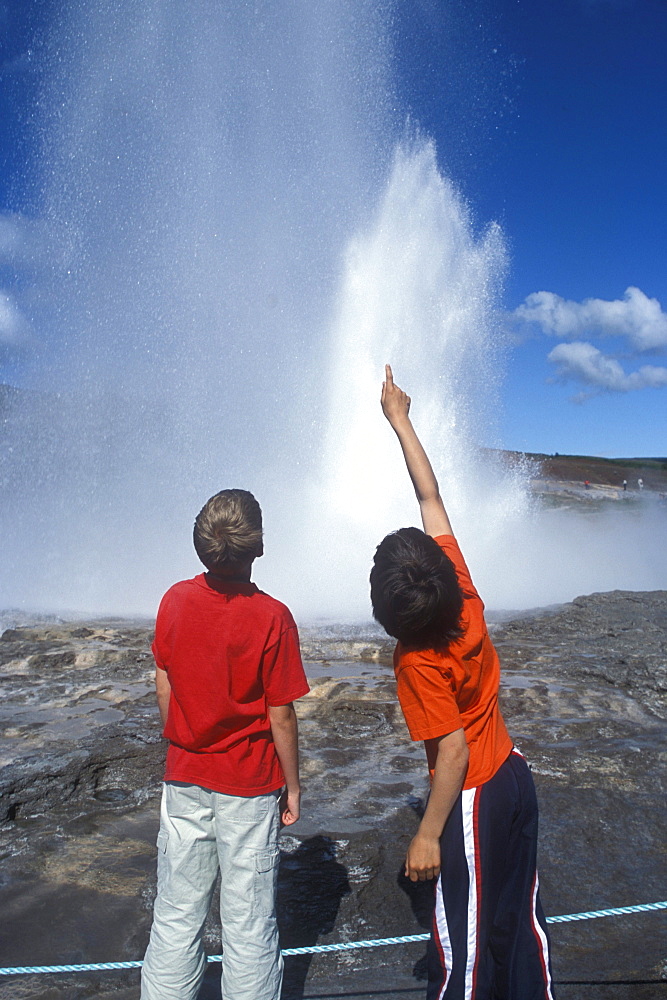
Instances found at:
x=10 y=236
x=635 y=316
x=584 y=363
x=13 y=326
x=25 y=242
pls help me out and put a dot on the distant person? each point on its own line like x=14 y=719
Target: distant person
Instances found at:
x=478 y=835
x=640 y=484
x=228 y=668
x=587 y=484
x=625 y=485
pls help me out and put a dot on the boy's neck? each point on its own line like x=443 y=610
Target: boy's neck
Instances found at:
x=237 y=574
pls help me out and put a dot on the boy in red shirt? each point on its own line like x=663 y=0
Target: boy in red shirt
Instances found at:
x=478 y=835
x=228 y=668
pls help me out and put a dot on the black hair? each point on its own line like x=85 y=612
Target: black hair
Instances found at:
x=414 y=590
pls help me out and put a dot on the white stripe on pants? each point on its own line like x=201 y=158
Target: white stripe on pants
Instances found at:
x=201 y=830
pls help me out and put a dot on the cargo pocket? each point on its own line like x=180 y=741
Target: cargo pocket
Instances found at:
x=266 y=877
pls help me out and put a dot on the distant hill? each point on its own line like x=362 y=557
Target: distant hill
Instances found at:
x=600 y=471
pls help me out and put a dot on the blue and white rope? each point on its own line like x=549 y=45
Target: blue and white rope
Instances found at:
x=317 y=949
x=616 y=911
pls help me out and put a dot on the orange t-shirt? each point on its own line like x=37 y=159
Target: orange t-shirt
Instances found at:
x=440 y=692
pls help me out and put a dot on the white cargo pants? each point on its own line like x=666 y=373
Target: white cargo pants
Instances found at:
x=201 y=830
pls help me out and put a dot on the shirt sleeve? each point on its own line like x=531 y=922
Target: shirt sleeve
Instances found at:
x=450 y=547
x=159 y=662
x=283 y=675
x=427 y=699
x=158 y=647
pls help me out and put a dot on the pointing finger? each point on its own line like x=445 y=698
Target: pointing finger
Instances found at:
x=388 y=373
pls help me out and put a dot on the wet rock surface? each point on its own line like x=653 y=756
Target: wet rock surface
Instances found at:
x=585 y=696
x=77 y=719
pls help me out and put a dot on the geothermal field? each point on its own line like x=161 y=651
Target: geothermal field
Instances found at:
x=233 y=231
x=583 y=693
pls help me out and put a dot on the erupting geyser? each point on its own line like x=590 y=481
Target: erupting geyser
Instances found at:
x=222 y=242
x=419 y=289
x=202 y=172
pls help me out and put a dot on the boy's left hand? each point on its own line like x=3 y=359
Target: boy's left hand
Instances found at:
x=423 y=858
x=395 y=403
x=290 y=807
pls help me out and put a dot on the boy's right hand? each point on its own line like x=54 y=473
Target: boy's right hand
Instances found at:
x=290 y=807
x=395 y=402
x=422 y=861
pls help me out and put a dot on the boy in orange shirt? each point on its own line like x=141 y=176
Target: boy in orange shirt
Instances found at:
x=478 y=835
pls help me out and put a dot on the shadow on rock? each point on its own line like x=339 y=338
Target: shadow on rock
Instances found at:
x=421 y=896
x=311 y=885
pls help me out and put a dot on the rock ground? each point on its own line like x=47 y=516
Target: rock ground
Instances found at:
x=584 y=694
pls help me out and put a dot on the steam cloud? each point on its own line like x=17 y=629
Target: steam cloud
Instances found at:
x=637 y=319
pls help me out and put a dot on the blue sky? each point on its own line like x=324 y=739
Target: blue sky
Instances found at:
x=568 y=103
x=552 y=119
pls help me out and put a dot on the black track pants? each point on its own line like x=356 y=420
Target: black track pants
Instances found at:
x=489 y=938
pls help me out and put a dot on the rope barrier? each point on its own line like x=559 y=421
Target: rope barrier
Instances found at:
x=317 y=949
x=614 y=912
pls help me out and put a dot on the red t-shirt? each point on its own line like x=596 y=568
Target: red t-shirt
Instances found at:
x=458 y=689
x=229 y=651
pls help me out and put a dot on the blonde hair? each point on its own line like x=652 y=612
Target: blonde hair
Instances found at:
x=228 y=530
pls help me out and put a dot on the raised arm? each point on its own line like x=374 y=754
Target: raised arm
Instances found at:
x=396 y=408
